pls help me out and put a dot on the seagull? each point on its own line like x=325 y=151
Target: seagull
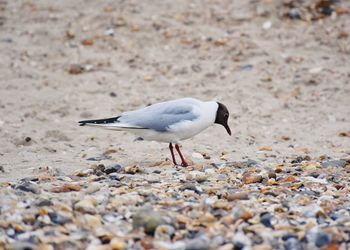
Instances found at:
x=170 y=121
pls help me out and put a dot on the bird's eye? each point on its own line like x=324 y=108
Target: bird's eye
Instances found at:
x=226 y=115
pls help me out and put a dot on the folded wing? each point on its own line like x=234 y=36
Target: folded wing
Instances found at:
x=158 y=117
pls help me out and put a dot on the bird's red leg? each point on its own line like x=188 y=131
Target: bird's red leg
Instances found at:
x=172 y=153
x=184 y=163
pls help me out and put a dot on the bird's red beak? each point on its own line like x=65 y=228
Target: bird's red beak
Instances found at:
x=228 y=129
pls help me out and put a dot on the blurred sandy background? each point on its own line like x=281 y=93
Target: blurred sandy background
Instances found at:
x=284 y=76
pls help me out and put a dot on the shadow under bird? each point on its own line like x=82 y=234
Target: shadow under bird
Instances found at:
x=170 y=122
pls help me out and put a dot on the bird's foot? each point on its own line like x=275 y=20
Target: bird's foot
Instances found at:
x=184 y=164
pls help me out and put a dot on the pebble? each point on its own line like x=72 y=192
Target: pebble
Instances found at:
x=265 y=219
x=293 y=244
x=76 y=69
x=92 y=188
x=197 y=155
x=148 y=219
x=22 y=246
x=249 y=178
x=334 y=163
x=322 y=239
x=44 y=202
x=197 y=176
x=132 y=169
x=183 y=209
x=65 y=188
x=112 y=169
x=231 y=196
x=87 y=205
x=164 y=232
x=59 y=218
x=294 y=13
x=228 y=246
x=199 y=243
x=91 y=221
x=241 y=213
x=117 y=244
x=28 y=186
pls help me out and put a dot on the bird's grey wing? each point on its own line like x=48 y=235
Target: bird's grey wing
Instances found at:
x=159 y=117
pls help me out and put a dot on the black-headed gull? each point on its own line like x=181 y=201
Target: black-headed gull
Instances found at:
x=170 y=121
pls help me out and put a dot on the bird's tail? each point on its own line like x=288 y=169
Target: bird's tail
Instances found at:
x=109 y=123
x=100 y=122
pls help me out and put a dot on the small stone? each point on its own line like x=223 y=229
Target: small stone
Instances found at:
x=249 y=178
x=220 y=42
x=278 y=170
x=196 y=68
x=228 y=246
x=265 y=148
x=115 y=183
x=322 y=239
x=94 y=246
x=293 y=244
x=29 y=186
x=200 y=243
x=87 y=42
x=65 y=188
x=241 y=213
x=75 y=69
x=334 y=163
x=112 y=94
x=267 y=25
x=198 y=176
x=98 y=167
x=164 y=232
x=22 y=246
x=84 y=172
x=197 y=155
x=265 y=219
x=237 y=196
x=287 y=179
x=191 y=186
x=86 y=205
x=272 y=175
x=117 y=244
x=92 y=221
x=43 y=203
x=344 y=134
x=59 y=218
x=112 y=169
x=207 y=218
x=315 y=70
x=148 y=219
x=221 y=204
x=99 y=158
x=92 y=188
x=133 y=169
x=294 y=13
x=285 y=138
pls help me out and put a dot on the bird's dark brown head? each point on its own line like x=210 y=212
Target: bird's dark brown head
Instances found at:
x=222 y=115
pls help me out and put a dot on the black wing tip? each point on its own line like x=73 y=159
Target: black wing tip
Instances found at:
x=99 y=121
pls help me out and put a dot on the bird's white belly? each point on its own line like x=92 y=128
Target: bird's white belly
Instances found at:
x=151 y=135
